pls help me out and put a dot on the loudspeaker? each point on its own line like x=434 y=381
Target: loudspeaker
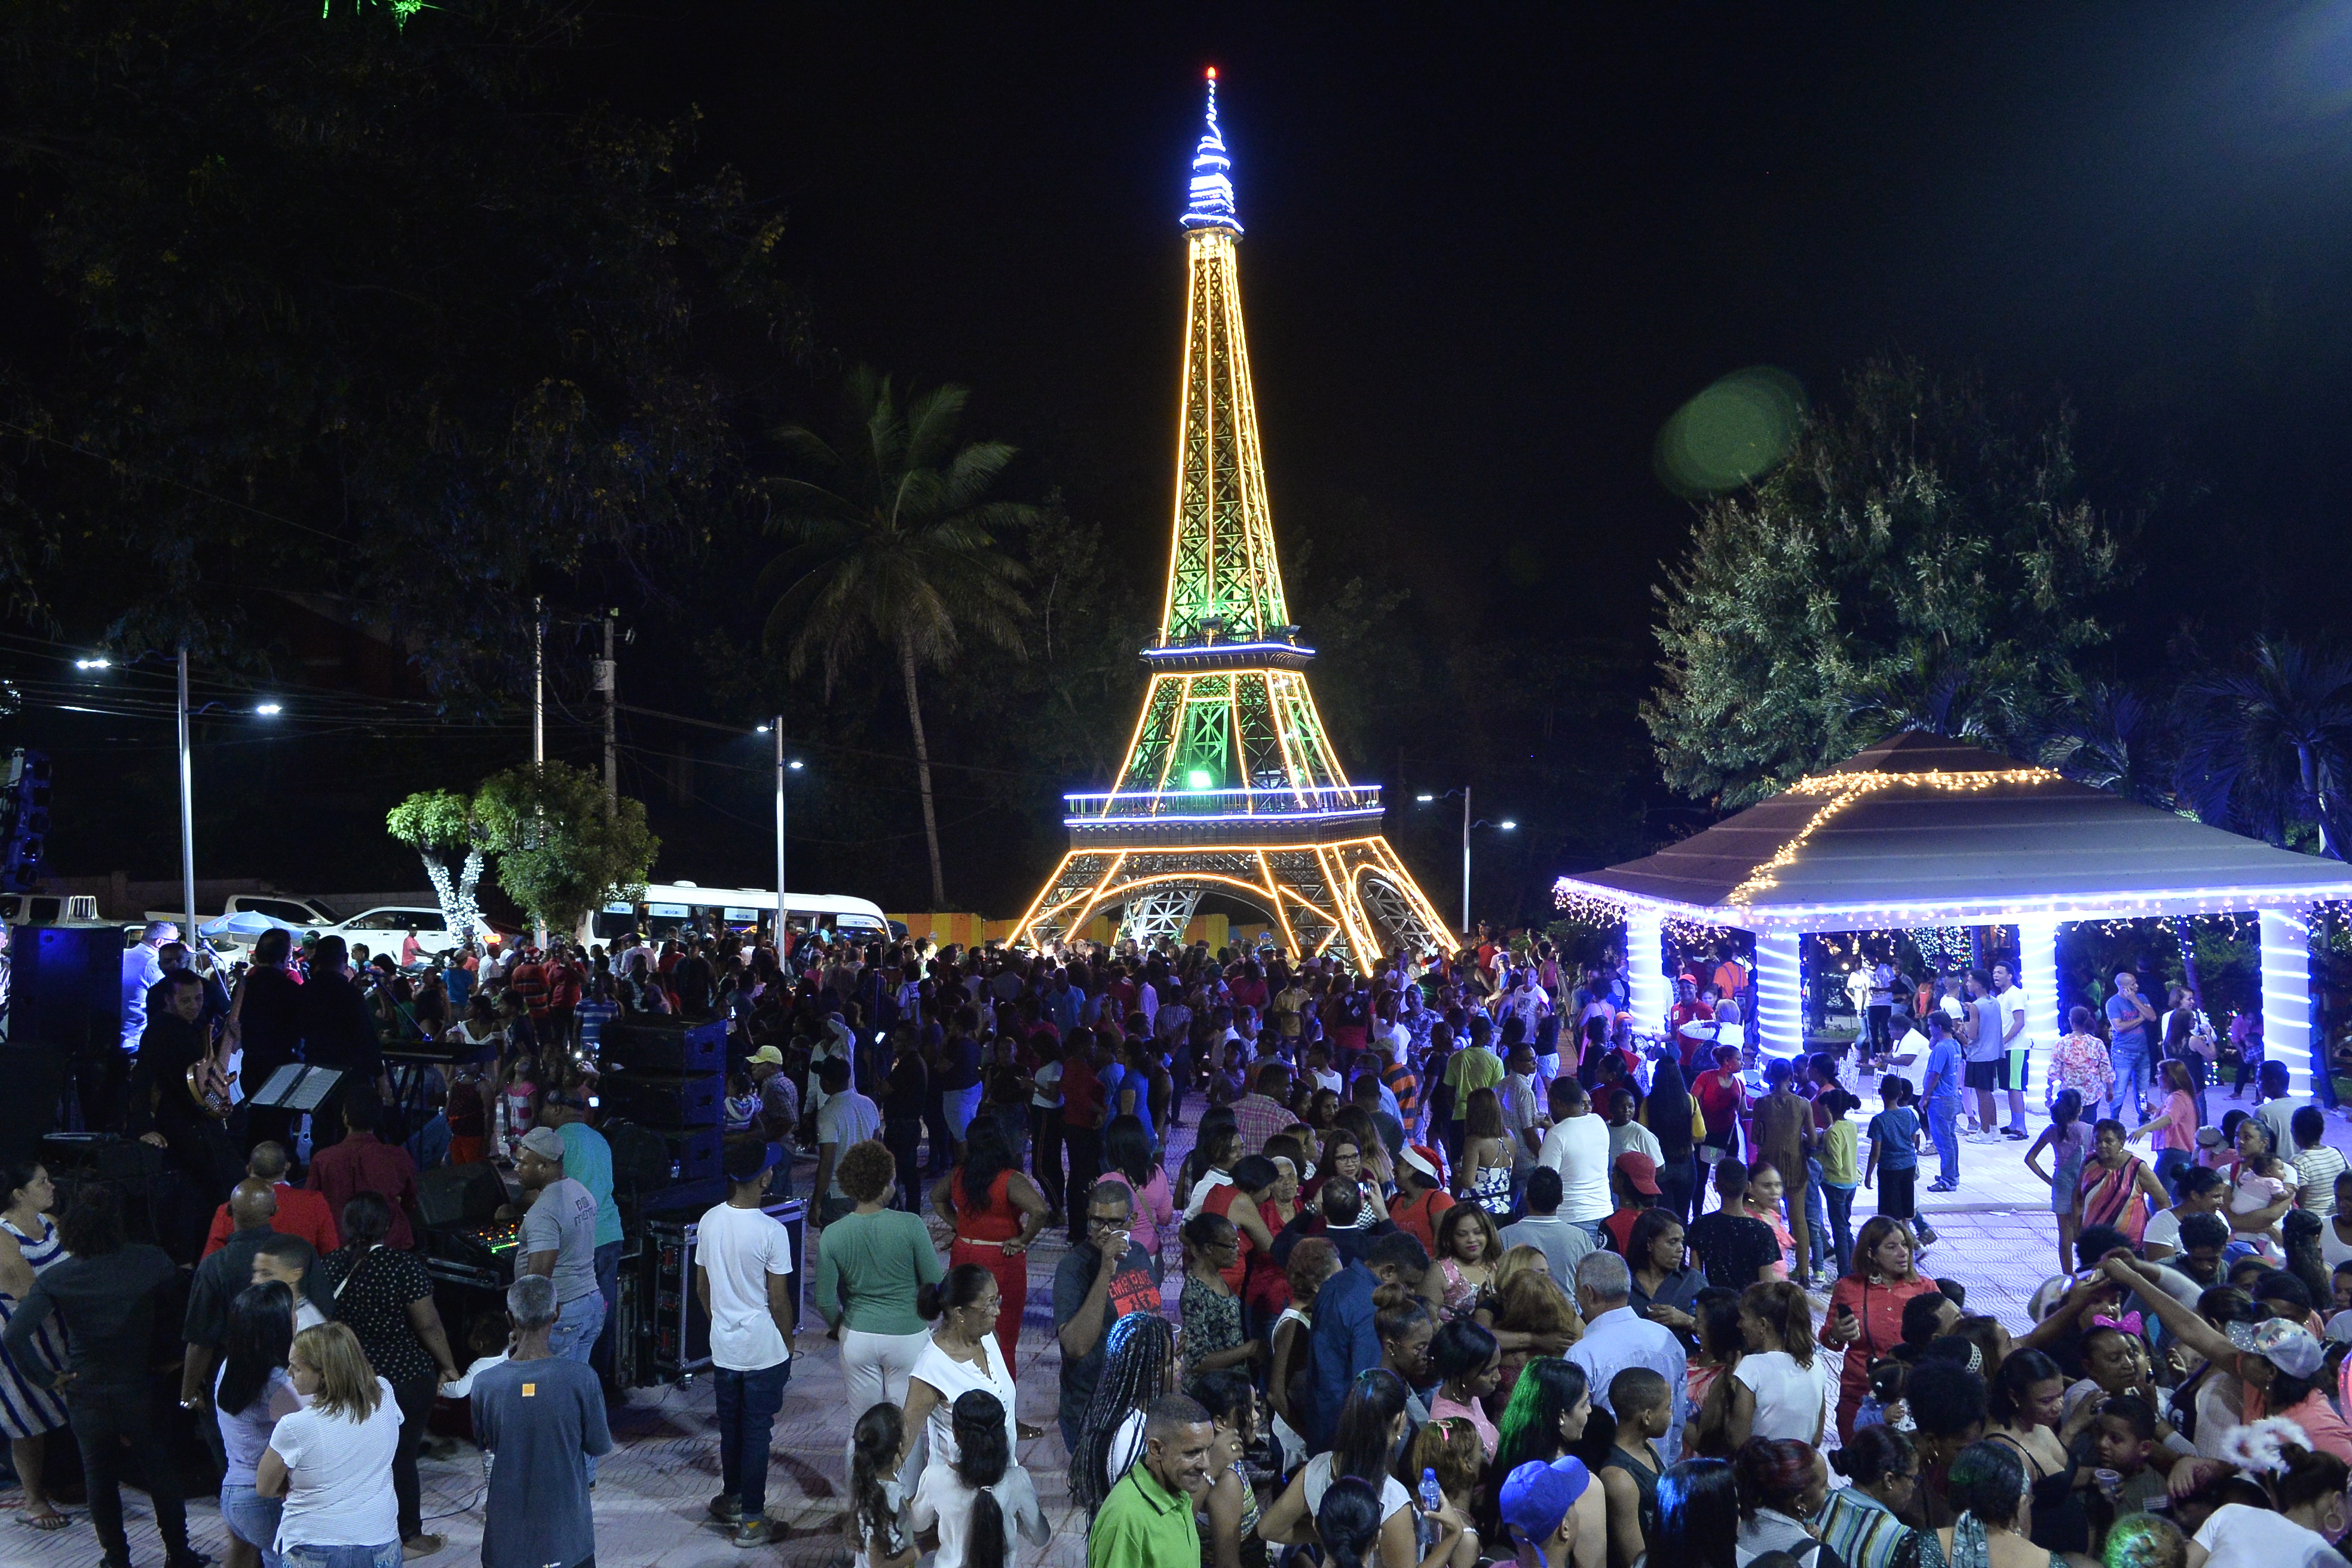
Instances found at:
x=641 y=1158
x=643 y=1045
x=65 y=988
x=459 y=1195
x=35 y=1076
x=663 y=1100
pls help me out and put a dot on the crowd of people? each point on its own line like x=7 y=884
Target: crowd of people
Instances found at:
x=1450 y=1264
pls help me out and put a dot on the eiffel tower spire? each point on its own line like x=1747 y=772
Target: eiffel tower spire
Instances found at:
x=1230 y=784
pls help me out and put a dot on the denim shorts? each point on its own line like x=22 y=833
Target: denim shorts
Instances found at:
x=252 y=1519
x=319 y=1556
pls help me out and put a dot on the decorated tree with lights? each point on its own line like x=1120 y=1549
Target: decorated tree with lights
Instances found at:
x=447 y=832
x=1921 y=561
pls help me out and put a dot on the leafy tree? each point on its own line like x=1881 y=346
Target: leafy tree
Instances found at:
x=354 y=303
x=2270 y=743
x=561 y=855
x=1917 y=562
x=896 y=545
x=448 y=836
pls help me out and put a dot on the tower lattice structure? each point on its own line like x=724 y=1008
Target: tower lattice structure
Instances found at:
x=1230 y=784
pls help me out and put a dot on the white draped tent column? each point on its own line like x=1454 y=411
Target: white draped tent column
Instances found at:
x=2286 y=996
x=2037 y=976
x=1779 y=993
x=1645 y=970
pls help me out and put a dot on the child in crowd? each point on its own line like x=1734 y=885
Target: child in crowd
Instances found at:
x=1450 y=1446
x=877 y=1522
x=2126 y=1443
x=1644 y=1408
x=1894 y=1154
x=1841 y=1163
x=977 y=1502
x=742 y=1103
x=2069 y=1142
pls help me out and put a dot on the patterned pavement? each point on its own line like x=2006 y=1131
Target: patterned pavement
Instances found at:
x=1998 y=1236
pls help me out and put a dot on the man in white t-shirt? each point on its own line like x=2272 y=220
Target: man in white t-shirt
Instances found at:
x=1907 y=1057
x=2009 y=1002
x=845 y=1118
x=1578 y=1148
x=742 y=1272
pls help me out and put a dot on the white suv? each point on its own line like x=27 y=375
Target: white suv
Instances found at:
x=385 y=929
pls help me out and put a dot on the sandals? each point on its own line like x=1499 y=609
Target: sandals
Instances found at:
x=52 y=1520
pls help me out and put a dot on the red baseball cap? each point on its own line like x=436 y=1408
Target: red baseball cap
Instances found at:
x=1641 y=1172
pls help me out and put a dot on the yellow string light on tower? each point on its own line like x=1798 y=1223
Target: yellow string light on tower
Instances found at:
x=1230 y=784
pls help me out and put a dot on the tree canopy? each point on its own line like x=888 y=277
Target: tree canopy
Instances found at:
x=1922 y=561
x=352 y=304
x=562 y=852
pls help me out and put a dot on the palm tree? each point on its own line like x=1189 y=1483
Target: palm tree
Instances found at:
x=2111 y=738
x=2273 y=743
x=894 y=544
x=1924 y=685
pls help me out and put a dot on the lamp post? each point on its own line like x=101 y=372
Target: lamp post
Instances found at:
x=188 y=808
x=1506 y=824
x=776 y=727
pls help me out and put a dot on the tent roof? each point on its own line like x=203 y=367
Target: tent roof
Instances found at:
x=1920 y=830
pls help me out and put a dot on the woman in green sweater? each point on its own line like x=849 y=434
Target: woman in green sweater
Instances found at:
x=871 y=1262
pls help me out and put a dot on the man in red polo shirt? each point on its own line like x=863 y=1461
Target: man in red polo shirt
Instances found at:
x=363 y=1164
x=301 y=1212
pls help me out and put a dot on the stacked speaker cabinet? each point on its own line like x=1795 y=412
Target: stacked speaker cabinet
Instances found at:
x=65 y=1002
x=667 y=1077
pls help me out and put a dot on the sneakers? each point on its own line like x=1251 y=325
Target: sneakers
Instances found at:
x=1926 y=1238
x=1943 y=1186
x=753 y=1532
x=726 y=1511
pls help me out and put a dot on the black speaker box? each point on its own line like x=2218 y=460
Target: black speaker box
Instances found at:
x=35 y=1076
x=650 y=1159
x=663 y=1100
x=65 y=988
x=643 y=1045
x=459 y=1195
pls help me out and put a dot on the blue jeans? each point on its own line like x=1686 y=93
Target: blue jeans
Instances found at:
x=2170 y=1163
x=1841 y=1207
x=608 y=1289
x=1944 y=1131
x=574 y=1336
x=384 y=1556
x=253 y=1519
x=2131 y=1075
x=748 y=1403
x=1817 y=1219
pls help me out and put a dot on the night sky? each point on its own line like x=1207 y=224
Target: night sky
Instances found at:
x=1490 y=250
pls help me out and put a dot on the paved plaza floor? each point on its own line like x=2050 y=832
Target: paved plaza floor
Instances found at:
x=1997 y=1236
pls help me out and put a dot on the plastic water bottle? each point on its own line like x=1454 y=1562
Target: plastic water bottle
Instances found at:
x=1432 y=1496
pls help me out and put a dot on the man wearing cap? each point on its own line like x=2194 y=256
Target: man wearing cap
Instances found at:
x=742 y=1272
x=1563 y=1245
x=1556 y=1511
x=780 y=1098
x=1633 y=1182
x=1616 y=1337
x=588 y=1159
x=558 y=1241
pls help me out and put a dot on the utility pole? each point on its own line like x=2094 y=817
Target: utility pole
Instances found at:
x=1465 y=862
x=608 y=682
x=779 y=831
x=187 y=811
x=538 y=718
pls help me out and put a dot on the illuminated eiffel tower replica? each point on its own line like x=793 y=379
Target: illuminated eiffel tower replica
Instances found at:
x=1230 y=784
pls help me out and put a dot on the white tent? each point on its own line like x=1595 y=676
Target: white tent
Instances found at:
x=1917 y=831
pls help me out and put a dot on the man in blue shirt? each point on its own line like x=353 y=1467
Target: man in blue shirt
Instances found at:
x=1345 y=1341
x=1940 y=1093
x=2129 y=1016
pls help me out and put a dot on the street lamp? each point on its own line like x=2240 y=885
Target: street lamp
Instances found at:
x=1506 y=826
x=776 y=727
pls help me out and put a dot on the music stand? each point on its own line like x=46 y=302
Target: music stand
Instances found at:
x=297 y=1087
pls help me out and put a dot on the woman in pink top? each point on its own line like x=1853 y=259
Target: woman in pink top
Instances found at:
x=1469 y=1366
x=2175 y=1126
x=1129 y=1159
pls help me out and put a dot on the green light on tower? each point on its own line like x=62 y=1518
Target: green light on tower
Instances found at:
x=1199 y=778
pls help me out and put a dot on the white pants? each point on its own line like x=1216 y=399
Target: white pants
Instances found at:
x=874 y=1371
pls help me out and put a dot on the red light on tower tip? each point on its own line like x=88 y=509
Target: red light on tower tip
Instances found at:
x=1213 y=73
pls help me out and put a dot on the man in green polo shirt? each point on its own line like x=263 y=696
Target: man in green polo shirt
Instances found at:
x=1146 y=1520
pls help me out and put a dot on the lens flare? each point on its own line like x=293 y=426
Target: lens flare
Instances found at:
x=1739 y=429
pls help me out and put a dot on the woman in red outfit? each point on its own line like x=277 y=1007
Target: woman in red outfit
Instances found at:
x=997 y=1211
x=1871 y=1297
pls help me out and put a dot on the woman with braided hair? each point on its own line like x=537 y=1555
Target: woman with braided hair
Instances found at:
x=1139 y=1366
